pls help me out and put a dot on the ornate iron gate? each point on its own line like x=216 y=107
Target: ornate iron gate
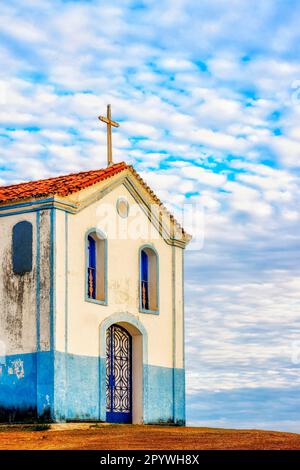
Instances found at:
x=118 y=375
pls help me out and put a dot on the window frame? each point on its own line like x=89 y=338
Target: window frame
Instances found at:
x=16 y=251
x=91 y=231
x=92 y=265
x=141 y=309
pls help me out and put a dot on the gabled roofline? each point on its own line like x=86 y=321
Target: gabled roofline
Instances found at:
x=178 y=236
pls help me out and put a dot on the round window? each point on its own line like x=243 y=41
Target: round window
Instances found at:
x=122 y=207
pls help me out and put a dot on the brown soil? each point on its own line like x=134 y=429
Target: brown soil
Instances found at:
x=108 y=437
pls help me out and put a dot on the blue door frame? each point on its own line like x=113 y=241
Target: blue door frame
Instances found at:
x=118 y=375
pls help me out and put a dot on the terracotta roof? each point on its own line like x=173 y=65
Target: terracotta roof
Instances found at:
x=68 y=184
x=60 y=185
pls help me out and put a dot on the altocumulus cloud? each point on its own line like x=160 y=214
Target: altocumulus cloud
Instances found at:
x=207 y=94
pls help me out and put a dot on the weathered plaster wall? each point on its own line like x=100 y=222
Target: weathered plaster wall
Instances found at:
x=44 y=282
x=17 y=293
x=24 y=320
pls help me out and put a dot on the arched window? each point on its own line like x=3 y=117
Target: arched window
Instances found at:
x=22 y=247
x=148 y=280
x=96 y=267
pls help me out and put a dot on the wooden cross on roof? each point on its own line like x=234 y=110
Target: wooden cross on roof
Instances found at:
x=108 y=121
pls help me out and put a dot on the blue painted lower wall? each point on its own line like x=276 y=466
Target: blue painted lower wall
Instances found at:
x=18 y=387
x=160 y=395
x=58 y=387
x=45 y=384
x=26 y=386
x=77 y=394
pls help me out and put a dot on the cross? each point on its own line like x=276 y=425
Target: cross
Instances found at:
x=109 y=123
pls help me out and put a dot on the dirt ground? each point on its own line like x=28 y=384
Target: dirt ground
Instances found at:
x=88 y=436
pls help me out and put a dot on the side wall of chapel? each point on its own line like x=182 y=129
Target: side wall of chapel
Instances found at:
x=24 y=318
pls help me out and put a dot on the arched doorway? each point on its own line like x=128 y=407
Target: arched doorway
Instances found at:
x=118 y=375
x=139 y=375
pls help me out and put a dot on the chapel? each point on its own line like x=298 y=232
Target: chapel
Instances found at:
x=91 y=300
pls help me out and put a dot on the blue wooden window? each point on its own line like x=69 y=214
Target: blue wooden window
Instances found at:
x=22 y=248
x=144 y=280
x=91 y=268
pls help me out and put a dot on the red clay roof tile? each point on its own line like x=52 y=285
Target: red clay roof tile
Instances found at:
x=60 y=185
x=68 y=184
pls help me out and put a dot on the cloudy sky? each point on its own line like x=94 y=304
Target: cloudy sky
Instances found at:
x=208 y=97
